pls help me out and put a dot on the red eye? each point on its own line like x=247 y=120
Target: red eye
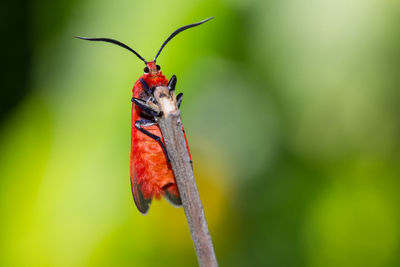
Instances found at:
x=146 y=70
x=158 y=67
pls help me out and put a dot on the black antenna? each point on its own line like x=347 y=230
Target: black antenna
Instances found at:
x=178 y=31
x=108 y=40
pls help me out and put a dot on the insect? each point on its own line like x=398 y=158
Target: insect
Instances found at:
x=150 y=171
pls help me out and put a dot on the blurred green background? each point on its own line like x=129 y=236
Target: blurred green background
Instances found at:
x=291 y=109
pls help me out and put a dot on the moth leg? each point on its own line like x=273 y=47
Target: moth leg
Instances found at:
x=143 y=105
x=179 y=99
x=172 y=83
x=146 y=123
x=146 y=86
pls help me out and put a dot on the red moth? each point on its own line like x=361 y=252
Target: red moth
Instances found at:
x=151 y=173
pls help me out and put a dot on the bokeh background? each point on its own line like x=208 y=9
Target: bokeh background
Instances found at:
x=291 y=109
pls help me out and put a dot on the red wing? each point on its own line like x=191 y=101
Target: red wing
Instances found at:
x=142 y=203
x=172 y=195
x=161 y=181
x=187 y=145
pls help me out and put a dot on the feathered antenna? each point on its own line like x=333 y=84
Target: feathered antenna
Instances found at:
x=112 y=41
x=108 y=40
x=178 y=31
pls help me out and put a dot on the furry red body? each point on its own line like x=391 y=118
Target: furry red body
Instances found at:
x=150 y=170
x=151 y=173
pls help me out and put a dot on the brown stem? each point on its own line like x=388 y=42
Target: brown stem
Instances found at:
x=171 y=128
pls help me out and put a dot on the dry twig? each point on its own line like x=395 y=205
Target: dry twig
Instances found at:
x=171 y=128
